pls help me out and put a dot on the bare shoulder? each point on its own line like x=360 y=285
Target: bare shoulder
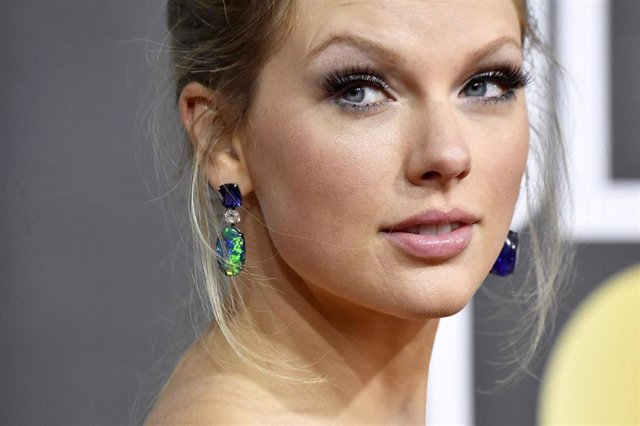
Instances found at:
x=190 y=410
x=199 y=393
x=210 y=400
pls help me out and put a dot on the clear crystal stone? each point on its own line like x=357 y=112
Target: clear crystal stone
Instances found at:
x=231 y=217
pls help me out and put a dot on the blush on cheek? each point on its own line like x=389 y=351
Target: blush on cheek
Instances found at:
x=308 y=173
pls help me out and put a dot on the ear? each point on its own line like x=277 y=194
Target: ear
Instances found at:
x=224 y=161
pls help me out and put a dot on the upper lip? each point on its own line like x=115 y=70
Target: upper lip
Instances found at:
x=435 y=217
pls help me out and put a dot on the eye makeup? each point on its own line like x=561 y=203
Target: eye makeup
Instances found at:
x=359 y=80
x=339 y=82
x=507 y=77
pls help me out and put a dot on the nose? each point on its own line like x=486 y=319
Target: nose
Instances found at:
x=439 y=154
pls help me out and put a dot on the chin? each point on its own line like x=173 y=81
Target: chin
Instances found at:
x=441 y=297
x=434 y=309
x=444 y=310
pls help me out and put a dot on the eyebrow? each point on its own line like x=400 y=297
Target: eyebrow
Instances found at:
x=361 y=43
x=373 y=48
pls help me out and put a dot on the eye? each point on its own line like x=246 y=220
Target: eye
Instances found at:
x=362 y=95
x=480 y=88
x=356 y=89
x=496 y=85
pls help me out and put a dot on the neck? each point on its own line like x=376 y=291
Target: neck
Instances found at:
x=375 y=365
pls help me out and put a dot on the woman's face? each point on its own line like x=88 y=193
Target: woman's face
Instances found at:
x=386 y=145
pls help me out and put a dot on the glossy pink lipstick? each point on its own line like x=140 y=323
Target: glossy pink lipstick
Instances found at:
x=433 y=234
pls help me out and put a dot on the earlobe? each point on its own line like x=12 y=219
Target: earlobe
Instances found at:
x=218 y=151
x=228 y=165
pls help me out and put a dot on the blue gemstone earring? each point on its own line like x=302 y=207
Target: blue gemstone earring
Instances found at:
x=506 y=262
x=230 y=245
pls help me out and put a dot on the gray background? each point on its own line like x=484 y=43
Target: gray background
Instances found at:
x=625 y=89
x=96 y=301
x=94 y=285
x=594 y=263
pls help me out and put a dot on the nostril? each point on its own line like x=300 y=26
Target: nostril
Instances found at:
x=431 y=175
x=463 y=174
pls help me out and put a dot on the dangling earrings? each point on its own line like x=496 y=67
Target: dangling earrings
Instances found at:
x=506 y=262
x=230 y=244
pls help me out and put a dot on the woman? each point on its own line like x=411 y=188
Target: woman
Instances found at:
x=378 y=150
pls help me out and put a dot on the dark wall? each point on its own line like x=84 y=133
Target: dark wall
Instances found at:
x=595 y=261
x=625 y=90
x=93 y=285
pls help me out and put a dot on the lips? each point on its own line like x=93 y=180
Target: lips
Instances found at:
x=434 y=217
x=433 y=234
x=433 y=229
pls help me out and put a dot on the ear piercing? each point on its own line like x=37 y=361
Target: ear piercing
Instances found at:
x=230 y=245
x=506 y=262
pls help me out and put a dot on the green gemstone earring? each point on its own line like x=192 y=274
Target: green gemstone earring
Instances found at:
x=230 y=245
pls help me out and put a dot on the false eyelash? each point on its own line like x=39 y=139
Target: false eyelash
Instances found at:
x=339 y=80
x=512 y=76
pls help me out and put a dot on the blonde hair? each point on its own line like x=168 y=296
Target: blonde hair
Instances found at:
x=223 y=45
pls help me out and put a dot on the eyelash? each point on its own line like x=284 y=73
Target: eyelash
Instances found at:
x=338 y=82
x=509 y=76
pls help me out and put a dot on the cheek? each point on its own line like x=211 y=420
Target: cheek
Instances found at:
x=318 y=190
x=512 y=158
x=501 y=161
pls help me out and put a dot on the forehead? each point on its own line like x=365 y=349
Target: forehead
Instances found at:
x=409 y=27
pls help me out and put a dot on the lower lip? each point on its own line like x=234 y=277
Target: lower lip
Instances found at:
x=434 y=247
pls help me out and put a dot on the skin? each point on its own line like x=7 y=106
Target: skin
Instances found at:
x=321 y=183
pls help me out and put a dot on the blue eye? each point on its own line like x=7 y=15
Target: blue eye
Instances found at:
x=483 y=89
x=497 y=85
x=361 y=96
x=356 y=89
x=355 y=95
